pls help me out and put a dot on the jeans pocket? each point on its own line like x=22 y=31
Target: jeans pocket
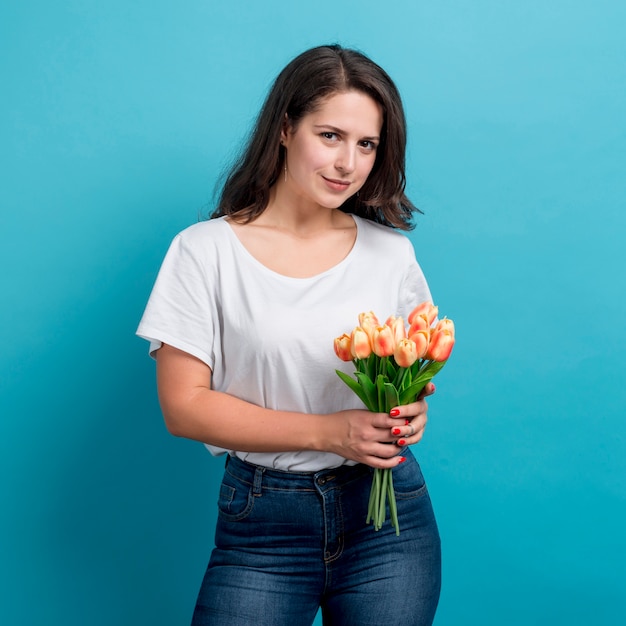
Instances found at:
x=408 y=480
x=235 y=499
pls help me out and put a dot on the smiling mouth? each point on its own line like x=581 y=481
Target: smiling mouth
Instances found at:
x=338 y=185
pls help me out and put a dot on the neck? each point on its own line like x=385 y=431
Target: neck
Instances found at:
x=289 y=213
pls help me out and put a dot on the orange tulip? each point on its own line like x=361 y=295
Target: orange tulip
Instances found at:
x=382 y=341
x=343 y=347
x=427 y=309
x=445 y=324
x=420 y=322
x=360 y=344
x=405 y=353
x=441 y=344
x=368 y=322
x=397 y=328
x=421 y=339
x=368 y=319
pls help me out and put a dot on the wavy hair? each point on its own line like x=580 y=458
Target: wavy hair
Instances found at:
x=298 y=90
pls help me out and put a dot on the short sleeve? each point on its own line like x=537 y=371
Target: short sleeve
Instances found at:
x=414 y=289
x=182 y=310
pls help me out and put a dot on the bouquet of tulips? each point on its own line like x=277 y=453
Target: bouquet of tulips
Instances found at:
x=393 y=365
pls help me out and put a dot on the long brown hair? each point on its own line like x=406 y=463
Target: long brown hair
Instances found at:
x=298 y=90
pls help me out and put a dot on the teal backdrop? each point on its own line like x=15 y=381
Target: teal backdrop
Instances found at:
x=116 y=119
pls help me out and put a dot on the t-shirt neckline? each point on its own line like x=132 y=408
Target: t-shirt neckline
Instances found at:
x=271 y=272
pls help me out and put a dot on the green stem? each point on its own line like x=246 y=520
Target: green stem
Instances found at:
x=393 y=509
x=383 y=498
x=372 y=509
x=400 y=382
x=382 y=365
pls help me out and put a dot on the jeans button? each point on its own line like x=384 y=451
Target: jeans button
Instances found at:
x=322 y=480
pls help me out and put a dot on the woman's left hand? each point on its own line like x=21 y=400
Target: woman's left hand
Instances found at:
x=415 y=417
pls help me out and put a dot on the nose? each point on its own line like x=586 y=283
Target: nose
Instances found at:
x=346 y=159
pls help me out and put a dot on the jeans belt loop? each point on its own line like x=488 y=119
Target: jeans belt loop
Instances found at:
x=258 y=480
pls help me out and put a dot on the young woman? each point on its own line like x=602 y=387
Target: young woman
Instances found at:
x=241 y=322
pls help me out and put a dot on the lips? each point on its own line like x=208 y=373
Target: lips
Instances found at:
x=335 y=184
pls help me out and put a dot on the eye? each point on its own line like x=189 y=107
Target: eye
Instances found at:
x=368 y=145
x=328 y=135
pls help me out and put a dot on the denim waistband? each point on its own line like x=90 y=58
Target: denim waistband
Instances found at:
x=257 y=475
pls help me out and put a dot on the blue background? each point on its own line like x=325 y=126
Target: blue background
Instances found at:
x=116 y=119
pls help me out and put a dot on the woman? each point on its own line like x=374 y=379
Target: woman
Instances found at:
x=241 y=322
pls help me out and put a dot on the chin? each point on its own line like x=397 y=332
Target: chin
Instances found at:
x=333 y=202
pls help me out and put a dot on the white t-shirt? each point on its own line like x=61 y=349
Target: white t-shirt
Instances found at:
x=268 y=338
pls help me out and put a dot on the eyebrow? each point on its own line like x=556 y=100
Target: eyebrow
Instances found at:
x=343 y=132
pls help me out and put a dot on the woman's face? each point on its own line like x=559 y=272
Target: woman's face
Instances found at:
x=332 y=150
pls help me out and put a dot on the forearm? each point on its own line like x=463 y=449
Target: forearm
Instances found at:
x=192 y=409
x=223 y=420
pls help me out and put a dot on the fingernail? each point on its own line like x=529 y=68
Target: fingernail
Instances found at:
x=433 y=387
x=394 y=412
x=406 y=422
x=402 y=460
x=395 y=431
x=402 y=442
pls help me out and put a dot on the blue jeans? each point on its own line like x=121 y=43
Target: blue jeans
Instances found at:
x=288 y=543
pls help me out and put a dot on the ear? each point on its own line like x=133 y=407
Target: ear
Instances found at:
x=285 y=130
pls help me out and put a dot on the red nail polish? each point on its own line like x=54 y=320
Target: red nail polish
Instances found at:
x=394 y=412
x=402 y=459
x=402 y=442
x=406 y=422
x=395 y=431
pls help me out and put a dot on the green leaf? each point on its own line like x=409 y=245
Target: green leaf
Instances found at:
x=381 y=395
x=409 y=394
x=418 y=367
x=392 y=398
x=367 y=385
x=425 y=375
x=357 y=388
